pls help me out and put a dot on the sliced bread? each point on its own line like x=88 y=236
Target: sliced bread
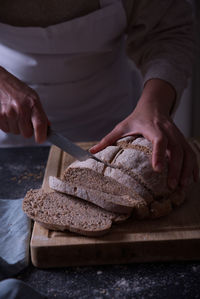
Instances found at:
x=130 y=184
x=92 y=196
x=58 y=211
x=119 y=203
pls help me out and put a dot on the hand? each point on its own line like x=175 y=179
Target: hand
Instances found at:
x=151 y=118
x=20 y=109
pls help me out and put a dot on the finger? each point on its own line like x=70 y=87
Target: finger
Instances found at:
x=9 y=116
x=24 y=123
x=184 y=165
x=175 y=164
x=13 y=127
x=159 y=152
x=159 y=142
x=109 y=139
x=26 y=128
x=176 y=153
x=4 y=124
x=39 y=122
x=12 y=122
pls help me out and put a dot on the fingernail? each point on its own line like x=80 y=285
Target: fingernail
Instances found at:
x=92 y=149
x=172 y=183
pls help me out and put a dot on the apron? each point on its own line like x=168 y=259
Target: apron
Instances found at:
x=79 y=69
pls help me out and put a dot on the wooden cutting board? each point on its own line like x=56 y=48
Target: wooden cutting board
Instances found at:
x=174 y=237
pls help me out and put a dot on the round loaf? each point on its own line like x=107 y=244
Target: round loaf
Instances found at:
x=130 y=176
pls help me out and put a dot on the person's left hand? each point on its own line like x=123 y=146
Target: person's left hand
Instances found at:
x=151 y=119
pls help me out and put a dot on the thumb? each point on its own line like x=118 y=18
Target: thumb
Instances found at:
x=109 y=139
x=40 y=123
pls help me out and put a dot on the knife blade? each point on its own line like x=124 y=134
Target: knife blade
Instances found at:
x=71 y=148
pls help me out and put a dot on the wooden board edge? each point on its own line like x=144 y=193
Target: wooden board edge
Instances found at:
x=52 y=167
x=179 y=250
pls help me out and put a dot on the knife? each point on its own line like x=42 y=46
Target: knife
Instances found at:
x=71 y=148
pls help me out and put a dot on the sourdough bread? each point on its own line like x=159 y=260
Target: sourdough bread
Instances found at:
x=130 y=184
x=119 y=203
x=58 y=211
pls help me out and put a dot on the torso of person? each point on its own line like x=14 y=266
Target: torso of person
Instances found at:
x=84 y=41
x=42 y=13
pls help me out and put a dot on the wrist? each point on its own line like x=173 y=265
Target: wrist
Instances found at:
x=159 y=95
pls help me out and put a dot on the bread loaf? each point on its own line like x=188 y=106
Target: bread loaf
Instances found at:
x=131 y=184
x=91 y=196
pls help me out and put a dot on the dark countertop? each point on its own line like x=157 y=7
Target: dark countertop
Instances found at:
x=23 y=168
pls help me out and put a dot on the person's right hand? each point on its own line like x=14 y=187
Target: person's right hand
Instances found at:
x=21 y=111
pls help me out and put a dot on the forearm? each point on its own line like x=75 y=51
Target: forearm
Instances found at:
x=159 y=96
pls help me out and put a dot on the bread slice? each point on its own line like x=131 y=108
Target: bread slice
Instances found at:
x=121 y=203
x=61 y=212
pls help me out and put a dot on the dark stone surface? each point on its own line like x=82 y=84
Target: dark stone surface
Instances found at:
x=22 y=169
x=159 y=280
